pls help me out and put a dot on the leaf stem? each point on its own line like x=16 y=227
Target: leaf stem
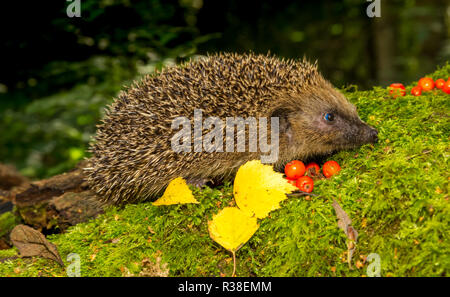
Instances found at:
x=234 y=264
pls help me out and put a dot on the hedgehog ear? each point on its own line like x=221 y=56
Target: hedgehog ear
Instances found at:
x=285 y=127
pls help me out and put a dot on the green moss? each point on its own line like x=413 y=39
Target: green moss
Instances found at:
x=396 y=193
x=7 y=222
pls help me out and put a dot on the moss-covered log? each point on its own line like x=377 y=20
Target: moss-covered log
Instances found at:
x=55 y=203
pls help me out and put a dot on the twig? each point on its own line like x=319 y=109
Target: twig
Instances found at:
x=301 y=193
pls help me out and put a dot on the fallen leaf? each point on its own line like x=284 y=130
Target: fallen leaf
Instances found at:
x=114 y=240
x=157 y=269
x=359 y=264
x=343 y=219
x=177 y=192
x=31 y=242
x=344 y=222
x=231 y=228
x=364 y=223
x=311 y=172
x=387 y=149
x=258 y=189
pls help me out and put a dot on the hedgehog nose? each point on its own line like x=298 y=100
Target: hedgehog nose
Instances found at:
x=374 y=135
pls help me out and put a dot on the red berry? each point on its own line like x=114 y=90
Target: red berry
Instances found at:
x=397 y=86
x=426 y=83
x=305 y=184
x=331 y=168
x=294 y=169
x=312 y=165
x=396 y=90
x=446 y=87
x=439 y=83
x=416 y=91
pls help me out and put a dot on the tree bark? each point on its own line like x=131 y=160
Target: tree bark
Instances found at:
x=384 y=32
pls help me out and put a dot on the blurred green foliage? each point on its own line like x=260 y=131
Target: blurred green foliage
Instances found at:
x=409 y=39
x=48 y=113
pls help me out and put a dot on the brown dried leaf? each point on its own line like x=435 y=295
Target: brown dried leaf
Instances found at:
x=343 y=219
x=344 y=222
x=31 y=242
x=311 y=172
x=158 y=269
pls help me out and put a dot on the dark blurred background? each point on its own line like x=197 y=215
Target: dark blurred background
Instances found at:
x=57 y=73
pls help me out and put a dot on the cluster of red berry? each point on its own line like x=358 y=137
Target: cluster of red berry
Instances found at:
x=295 y=173
x=425 y=84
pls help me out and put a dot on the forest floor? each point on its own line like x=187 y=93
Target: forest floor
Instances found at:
x=395 y=192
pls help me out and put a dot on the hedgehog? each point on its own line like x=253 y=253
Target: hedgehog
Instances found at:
x=133 y=159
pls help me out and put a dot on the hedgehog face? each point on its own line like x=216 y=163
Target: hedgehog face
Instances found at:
x=326 y=125
x=342 y=130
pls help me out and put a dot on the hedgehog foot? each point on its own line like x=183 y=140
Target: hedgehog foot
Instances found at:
x=198 y=181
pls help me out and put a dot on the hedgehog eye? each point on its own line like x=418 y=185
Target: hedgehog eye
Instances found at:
x=329 y=117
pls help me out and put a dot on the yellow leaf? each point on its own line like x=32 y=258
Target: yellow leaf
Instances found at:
x=231 y=228
x=177 y=192
x=258 y=189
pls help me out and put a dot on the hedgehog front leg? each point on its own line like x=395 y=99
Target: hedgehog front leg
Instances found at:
x=198 y=181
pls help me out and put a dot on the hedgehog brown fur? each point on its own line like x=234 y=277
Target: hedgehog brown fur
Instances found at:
x=132 y=155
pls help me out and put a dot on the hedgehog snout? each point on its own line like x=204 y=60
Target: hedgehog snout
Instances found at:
x=373 y=135
x=370 y=134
